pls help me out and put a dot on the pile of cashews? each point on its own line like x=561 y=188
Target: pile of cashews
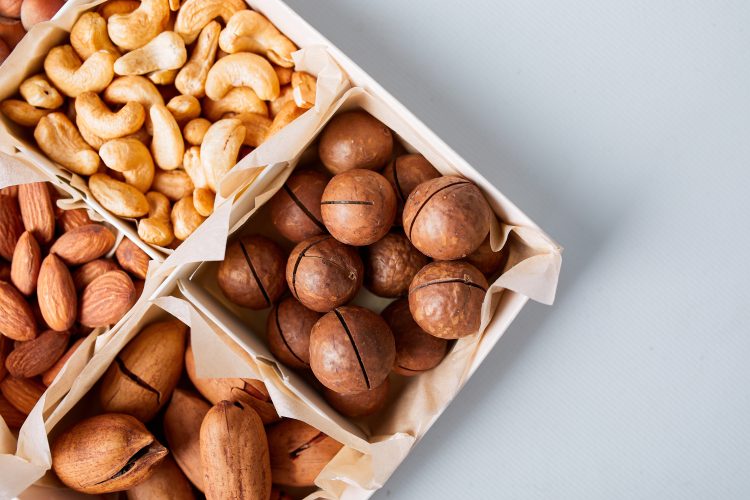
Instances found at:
x=163 y=101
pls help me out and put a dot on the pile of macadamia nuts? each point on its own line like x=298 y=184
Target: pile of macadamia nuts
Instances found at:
x=154 y=101
x=405 y=233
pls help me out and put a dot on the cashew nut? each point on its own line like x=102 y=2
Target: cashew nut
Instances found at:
x=256 y=128
x=167 y=145
x=287 y=94
x=105 y=123
x=242 y=70
x=22 y=112
x=65 y=70
x=157 y=228
x=158 y=206
x=174 y=5
x=184 y=108
x=135 y=29
x=304 y=87
x=124 y=154
x=192 y=165
x=174 y=184
x=237 y=100
x=139 y=89
x=141 y=177
x=60 y=140
x=284 y=74
x=119 y=198
x=166 y=51
x=113 y=7
x=194 y=131
x=40 y=93
x=163 y=76
x=192 y=77
x=203 y=200
x=220 y=148
x=89 y=35
x=185 y=218
x=195 y=14
x=286 y=115
x=250 y=31
x=88 y=135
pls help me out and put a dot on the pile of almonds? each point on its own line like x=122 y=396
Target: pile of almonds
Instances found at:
x=19 y=16
x=55 y=287
x=221 y=437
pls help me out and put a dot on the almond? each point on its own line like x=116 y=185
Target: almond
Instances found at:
x=83 y=244
x=49 y=376
x=16 y=317
x=5 y=347
x=10 y=191
x=4 y=271
x=22 y=393
x=27 y=258
x=132 y=259
x=106 y=299
x=92 y=270
x=71 y=219
x=11 y=226
x=57 y=294
x=13 y=418
x=36 y=356
x=37 y=211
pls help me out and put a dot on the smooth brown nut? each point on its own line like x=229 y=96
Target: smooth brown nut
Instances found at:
x=288 y=331
x=34 y=12
x=83 y=244
x=252 y=273
x=11 y=226
x=37 y=211
x=132 y=259
x=351 y=350
x=358 y=207
x=234 y=453
x=106 y=299
x=56 y=294
x=88 y=272
x=11 y=31
x=27 y=259
x=16 y=317
x=182 y=424
x=21 y=393
x=323 y=273
x=106 y=453
x=299 y=452
x=167 y=482
x=142 y=377
x=355 y=139
x=13 y=418
x=295 y=208
x=445 y=299
x=486 y=260
x=405 y=173
x=49 y=376
x=416 y=350
x=390 y=265
x=447 y=218
x=359 y=404
x=36 y=356
x=71 y=219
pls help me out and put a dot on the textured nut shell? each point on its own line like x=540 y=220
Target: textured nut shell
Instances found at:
x=22 y=393
x=27 y=258
x=295 y=208
x=359 y=404
x=106 y=299
x=288 y=332
x=351 y=350
x=83 y=244
x=445 y=299
x=355 y=139
x=323 y=273
x=182 y=423
x=16 y=317
x=299 y=452
x=36 y=356
x=56 y=294
x=167 y=482
x=11 y=226
x=71 y=219
x=447 y=218
x=405 y=173
x=416 y=350
x=390 y=265
x=49 y=376
x=486 y=260
x=252 y=273
x=132 y=259
x=37 y=211
x=88 y=272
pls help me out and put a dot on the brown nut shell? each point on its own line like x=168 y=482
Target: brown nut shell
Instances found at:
x=132 y=259
x=445 y=299
x=182 y=425
x=358 y=207
x=288 y=331
x=16 y=316
x=359 y=404
x=447 y=218
x=27 y=259
x=295 y=208
x=11 y=225
x=355 y=139
x=167 y=482
x=56 y=294
x=486 y=260
x=105 y=300
x=252 y=273
x=390 y=265
x=299 y=452
x=416 y=350
x=405 y=173
x=323 y=273
x=351 y=350
x=36 y=356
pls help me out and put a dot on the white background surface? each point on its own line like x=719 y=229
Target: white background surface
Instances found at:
x=623 y=129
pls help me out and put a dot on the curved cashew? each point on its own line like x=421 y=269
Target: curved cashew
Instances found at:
x=256 y=128
x=65 y=70
x=40 y=93
x=286 y=95
x=242 y=70
x=135 y=29
x=107 y=124
x=191 y=79
x=88 y=135
x=158 y=206
x=237 y=100
x=167 y=145
x=184 y=108
x=194 y=131
x=163 y=76
x=139 y=89
x=174 y=5
x=113 y=7
x=157 y=228
x=124 y=155
x=119 y=198
x=286 y=115
x=220 y=148
x=250 y=31
x=195 y=14
x=203 y=200
x=60 y=140
x=174 y=184
x=89 y=35
x=166 y=51
x=304 y=88
x=284 y=74
x=185 y=218
x=141 y=177
x=192 y=165
x=22 y=112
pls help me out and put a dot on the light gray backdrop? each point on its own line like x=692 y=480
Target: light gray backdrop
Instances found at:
x=622 y=128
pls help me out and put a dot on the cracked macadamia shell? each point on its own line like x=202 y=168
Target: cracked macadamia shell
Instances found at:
x=351 y=350
x=416 y=350
x=359 y=404
x=447 y=218
x=390 y=265
x=252 y=273
x=355 y=139
x=358 y=207
x=288 y=330
x=295 y=208
x=323 y=273
x=405 y=173
x=445 y=299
